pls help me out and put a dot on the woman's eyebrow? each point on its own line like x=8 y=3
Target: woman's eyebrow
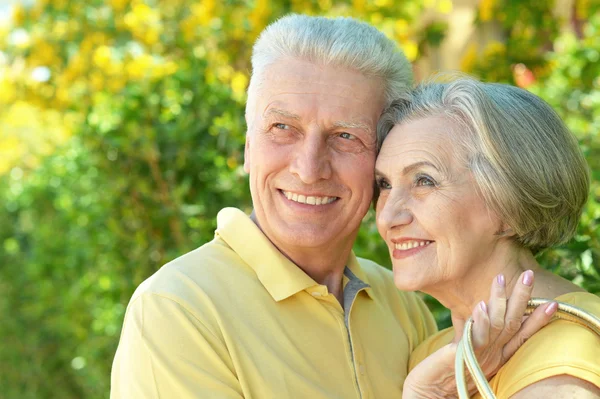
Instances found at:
x=416 y=165
x=409 y=168
x=379 y=173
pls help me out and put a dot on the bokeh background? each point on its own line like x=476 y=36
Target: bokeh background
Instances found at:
x=122 y=133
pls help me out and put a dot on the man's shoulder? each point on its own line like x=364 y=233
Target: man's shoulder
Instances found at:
x=205 y=270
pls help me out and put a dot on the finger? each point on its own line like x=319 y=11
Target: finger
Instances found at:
x=481 y=326
x=538 y=319
x=516 y=305
x=459 y=327
x=497 y=307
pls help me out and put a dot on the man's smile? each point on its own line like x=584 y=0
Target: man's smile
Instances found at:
x=308 y=199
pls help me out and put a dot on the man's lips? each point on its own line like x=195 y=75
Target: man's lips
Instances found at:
x=309 y=199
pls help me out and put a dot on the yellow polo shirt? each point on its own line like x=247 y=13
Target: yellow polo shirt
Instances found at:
x=562 y=347
x=236 y=319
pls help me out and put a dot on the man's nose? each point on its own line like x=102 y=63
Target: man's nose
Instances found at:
x=312 y=162
x=394 y=212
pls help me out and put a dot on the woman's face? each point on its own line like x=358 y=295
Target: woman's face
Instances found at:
x=436 y=225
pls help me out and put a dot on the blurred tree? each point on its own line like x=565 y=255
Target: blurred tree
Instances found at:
x=121 y=136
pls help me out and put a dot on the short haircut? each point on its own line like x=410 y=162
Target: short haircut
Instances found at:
x=340 y=42
x=527 y=165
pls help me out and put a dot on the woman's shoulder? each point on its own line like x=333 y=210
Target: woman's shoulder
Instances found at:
x=584 y=300
x=560 y=348
x=430 y=345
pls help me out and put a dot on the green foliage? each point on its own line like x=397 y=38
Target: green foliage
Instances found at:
x=151 y=98
x=150 y=147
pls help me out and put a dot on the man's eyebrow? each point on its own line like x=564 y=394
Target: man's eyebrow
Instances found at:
x=353 y=125
x=282 y=112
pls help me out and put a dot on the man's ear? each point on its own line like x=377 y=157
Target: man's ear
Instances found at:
x=247 y=154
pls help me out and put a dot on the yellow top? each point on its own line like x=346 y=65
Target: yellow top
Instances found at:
x=561 y=347
x=235 y=318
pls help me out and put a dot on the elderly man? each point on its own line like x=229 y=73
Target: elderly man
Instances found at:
x=277 y=305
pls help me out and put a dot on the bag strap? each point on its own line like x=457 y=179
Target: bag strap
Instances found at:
x=465 y=354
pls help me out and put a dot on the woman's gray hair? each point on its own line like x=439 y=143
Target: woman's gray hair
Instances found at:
x=341 y=42
x=527 y=165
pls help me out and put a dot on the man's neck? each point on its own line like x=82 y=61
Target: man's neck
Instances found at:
x=324 y=264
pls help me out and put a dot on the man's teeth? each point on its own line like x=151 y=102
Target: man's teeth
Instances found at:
x=310 y=200
x=411 y=244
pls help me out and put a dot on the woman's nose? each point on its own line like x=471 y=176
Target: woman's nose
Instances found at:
x=393 y=212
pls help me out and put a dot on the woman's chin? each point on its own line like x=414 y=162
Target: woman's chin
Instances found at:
x=405 y=282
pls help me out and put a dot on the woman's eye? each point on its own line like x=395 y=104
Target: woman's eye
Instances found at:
x=383 y=184
x=347 y=136
x=424 y=181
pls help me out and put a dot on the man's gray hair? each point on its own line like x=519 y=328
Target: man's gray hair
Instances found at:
x=527 y=164
x=340 y=42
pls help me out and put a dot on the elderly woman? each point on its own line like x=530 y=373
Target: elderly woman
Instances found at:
x=475 y=179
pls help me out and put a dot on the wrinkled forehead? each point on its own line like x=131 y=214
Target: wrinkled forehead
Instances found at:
x=435 y=138
x=302 y=77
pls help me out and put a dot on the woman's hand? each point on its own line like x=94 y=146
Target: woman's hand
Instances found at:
x=499 y=329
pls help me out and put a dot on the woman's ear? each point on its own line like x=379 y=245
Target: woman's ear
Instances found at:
x=505 y=231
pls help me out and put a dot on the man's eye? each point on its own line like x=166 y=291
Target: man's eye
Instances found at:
x=424 y=181
x=383 y=184
x=347 y=136
x=281 y=126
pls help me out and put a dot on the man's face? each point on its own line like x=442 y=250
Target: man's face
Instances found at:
x=310 y=153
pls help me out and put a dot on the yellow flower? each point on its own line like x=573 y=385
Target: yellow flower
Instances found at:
x=204 y=11
x=444 y=6
x=383 y=3
x=119 y=5
x=8 y=91
x=494 y=48
x=486 y=9
x=102 y=57
x=60 y=29
x=468 y=60
x=188 y=28
x=97 y=81
x=18 y=15
x=376 y=18
x=239 y=82
x=144 y=23
x=139 y=67
x=359 y=5
x=411 y=49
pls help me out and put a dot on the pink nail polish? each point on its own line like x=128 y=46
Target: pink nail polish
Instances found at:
x=528 y=278
x=483 y=306
x=551 y=308
x=501 y=280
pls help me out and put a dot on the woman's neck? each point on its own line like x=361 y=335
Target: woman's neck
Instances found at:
x=464 y=292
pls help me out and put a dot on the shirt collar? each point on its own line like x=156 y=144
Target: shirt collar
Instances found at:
x=280 y=276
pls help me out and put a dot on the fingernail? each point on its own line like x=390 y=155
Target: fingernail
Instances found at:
x=501 y=280
x=528 y=278
x=551 y=308
x=483 y=306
